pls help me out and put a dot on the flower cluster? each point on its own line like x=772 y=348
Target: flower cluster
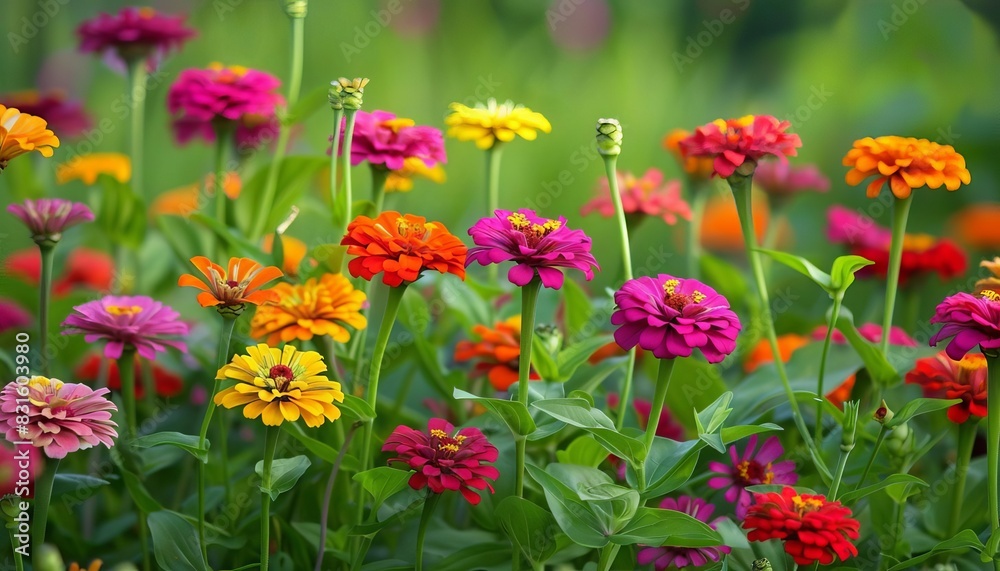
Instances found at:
x=942 y=377
x=496 y=353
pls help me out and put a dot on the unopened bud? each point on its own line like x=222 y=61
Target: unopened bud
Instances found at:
x=609 y=137
x=900 y=441
x=296 y=8
x=883 y=414
x=47 y=558
x=851 y=409
x=761 y=564
x=347 y=93
x=551 y=337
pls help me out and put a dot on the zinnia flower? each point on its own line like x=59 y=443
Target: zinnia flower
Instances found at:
x=905 y=162
x=165 y=382
x=86 y=168
x=384 y=140
x=61 y=417
x=977 y=226
x=66 y=116
x=681 y=557
x=326 y=306
x=810 y=527
x=84 y=267
x=969 y=320
x=943 y=378
x=494 y=122
x=22 y=133
x=401 y=180
x=753 y=468
x=642 y=196
x=201 y=99
x=536 y=245
x=231 y=289
x=672 y=317
x=401 y=247
x=699 y=168
x=135 y=321
x=497 y=352
x=748 y=139
x=133 y=33
x=279 y=385
x=95 y=565
x=761 y=353
x=12 y=316
x=444 y=460
x=293 y=252
x=48 y=218
x=780 y=178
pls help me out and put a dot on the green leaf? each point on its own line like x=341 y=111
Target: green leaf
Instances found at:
x=322 y=450
x=965 y=540
x=727 y=278
x=855 y=495
x=844 y=268
x=880 y=371
x=331 y=256
x=731 y=434
x=702 y=385
x=709 y=421
x=473 y=557
x=578 y=307
x=529 y=527
x=175 y=542
x=284 y=474
x=803 y=266
x=382 y=482
x=237 y=242
x=185 y=442
x=579 y=413
x=542 y=361
x=919 y=406
x=73 y=483
x=668 y=466
x=573 y=515
x=513 y=413
x=357 y=407
x=654 y=526
x=569 y=359
x=583 y=451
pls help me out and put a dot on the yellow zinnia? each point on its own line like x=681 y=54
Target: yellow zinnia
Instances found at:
x=402 y=180
x=87 y=168
x=279 y=385
x=22 y=133
x=487 y=124
x=318 y=307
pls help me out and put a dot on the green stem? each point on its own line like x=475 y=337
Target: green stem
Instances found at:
x=221 y=140
x=43 y=496
x=144 y=540
x=338 y=123
x=900 y=210
x=834 y=316
x=608 y=554
x=345 y=167
x=45 y=292
x=992 y=440
x=379 y=175
x=659 y=398
x=529 y=298
x=966 y=440
x=699 y=197
x=493 y=193
x=871 y=459
x=228 y=322
x=839 y=475
x=770 y=238
x=18 y=562
x=425 y=518
x=137 y=80
x=270 y=444
x=126 y=372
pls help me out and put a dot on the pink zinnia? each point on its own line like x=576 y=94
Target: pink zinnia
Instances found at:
x=133 y=33
x=672 y=317
x=128 y=321
x=969 y=320
x=12 y=316
x=444 y=460
x=642 y=196
x=871 y=332
x=61 y=417
x=536 y=245
x=751 y=470
x=780 y=178
x=381 y=138
x=64 y=116
x=734 y=142
x=845 y=226
x=243 y=98
x=680 y=557
x=48 y=218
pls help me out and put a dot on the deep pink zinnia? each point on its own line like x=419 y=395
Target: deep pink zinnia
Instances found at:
x=128 y=321
x=12 y=316
x=845 y=226
x=680 y=557
x=535 y=245
x=60 y=418
x=751 y=470
x=672 y=317
x=969 y=320
x=240 y=98
x=48 y=218
x=872 y=332
x=64 y=116
x=133 y=33
x=780 y=178
x=382 y=139
x=444 y=460
x=734 y=142
x=642 y=196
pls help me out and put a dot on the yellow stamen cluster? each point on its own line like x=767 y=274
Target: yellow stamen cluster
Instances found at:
x=398 y=123
x=918 y=242
x=531 y=230
x=124 y=309
x=453 y=448
x=806 y=505
x=437 y=433
x=990 y=295
x=670 y=285
x=697 y=296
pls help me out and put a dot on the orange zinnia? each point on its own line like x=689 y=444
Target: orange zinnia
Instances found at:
x=696 y=167
x=907 y=163
x=400 y=247
x=234 y=288
x=322 y=307
x=497 y=352
x=22 y=133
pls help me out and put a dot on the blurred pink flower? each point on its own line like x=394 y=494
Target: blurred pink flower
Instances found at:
x=680 y=557
x=136 y=322
x=647 y=195
x=64 y=116
x=779 y=178
x=133 y=33
x=13 y=459
x=13 y=316
x=753 y=468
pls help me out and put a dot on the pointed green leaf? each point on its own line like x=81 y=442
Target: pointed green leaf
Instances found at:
x=583 y=451
x=855 y=495
x=844 y=268
x=575 y=519
x=513 y=413
x=185 y=442
x=654 y=526
x=571 y=358
x=803 y=266
x=579 y=413
x=919 y=406
x=529 y=527
x=542 y=361
x=284 y=474
x=382 y=482
x=965 y=540
x=175 y=542
x=880 y=371
x=357 y=407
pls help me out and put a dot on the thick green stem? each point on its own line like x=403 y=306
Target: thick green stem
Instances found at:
x=43 y=496
x=126 y=372
x=608 y=554
x=270 y=444
x=338 y=124
x=493 y=193
x=44 y=293
x=18 y=562
x=345 y=167
x=834 y=316
x=137 y=82
x=900 y=210
x=659 y=400
x=871 y=459
x=993 y=440
x=379 y=175
x=228 y=322
x=425 y=518
x=966 y=440
x=699 y=196
x=529 y=298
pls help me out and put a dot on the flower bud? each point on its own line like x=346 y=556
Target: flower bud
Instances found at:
x=899 y=443
x=550 y=336
x=761 y=564
x=347 y=93
x=883 y=414
x=47 y=558
x=851 y=409
x=296 y=8
x=609 y=137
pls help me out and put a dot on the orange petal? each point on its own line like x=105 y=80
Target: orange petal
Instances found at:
x=875 y=187
x=187 y=280
x=899 y=187
x=265 y=275
x=207 y=300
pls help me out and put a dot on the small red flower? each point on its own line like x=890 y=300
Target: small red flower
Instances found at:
x=941 y=377
x=734 y=142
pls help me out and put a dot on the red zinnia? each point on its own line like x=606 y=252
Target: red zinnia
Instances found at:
x=941 y=377
x=811 y=528
x=734 y=142
x=165 y=382
x=84 y=267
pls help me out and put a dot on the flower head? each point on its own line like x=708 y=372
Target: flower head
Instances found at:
x=810 y=527
x=496 y=353
x=941 y=377
x=672 y=317
x=535 y=245
x=444 y=460
x=86 y=168
x=347 y=93
x=133 y=33
x=645 y=196
x=401 y=247
x=95 y=565
x=697 y=167
x=48 y=218
x=780 y=178
x=681 y=557
x=326 y=306
x=401 y=180
x=136 y=322
x=61 y=417
x=12 y=316
x=762 y=353
x=905 y=162
x=494 y=122
x=753 y=468
x=185 y=200
x=66 y=116
x=384 y=140
x=22 y=133
x=737 y=144
x=231 y=289
x=968 y=320
x=279 y=385
x=166 y=383
x=293 y=252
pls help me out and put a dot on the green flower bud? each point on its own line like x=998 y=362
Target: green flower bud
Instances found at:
x=347 y=93
x=883 y=414
x=230 y=311
x=550 y=336
x=609 y=137
x=847 y=437
x=899 y=443
x=296 y=8
x=761 y=564
x=47 y=558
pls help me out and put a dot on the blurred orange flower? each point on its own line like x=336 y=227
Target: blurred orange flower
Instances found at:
x=788 y=344
x=294 y=251
x=497 y=353
x=317 y=307
x=720 y=226
x=86 y=168
x=185 y=200
x=978 y=226
x=905 y=162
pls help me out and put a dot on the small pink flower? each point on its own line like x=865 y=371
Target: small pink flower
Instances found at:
x=780 y=178
x=751 y=470
x=133 y=32
x=748 y=139
x=681 y=557
x=969 y=320
x=845 y=226
x=13 y=316
x=380 y=138
x=642 y=196
x=48 y=218
x=136 y=322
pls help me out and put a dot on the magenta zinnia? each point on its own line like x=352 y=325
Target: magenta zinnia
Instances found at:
x=751 y=469
x=382 y=139
x=47 y=218
x=133 y=33
x=680 y=557
x=969 y=320
x=136 y=322
x=672 y=317
x=444 y=460
x=61 y=417
x=536 y=245
x=734 y=143
x=645 y=196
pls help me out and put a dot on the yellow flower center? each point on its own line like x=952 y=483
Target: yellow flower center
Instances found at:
x=228 y=73
x=806 y=505
x=751 y=472
x=532 y=231
x=124 y=309
x=679 y=300
x=146 y=13
x=990 y=295
x=397 y=124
